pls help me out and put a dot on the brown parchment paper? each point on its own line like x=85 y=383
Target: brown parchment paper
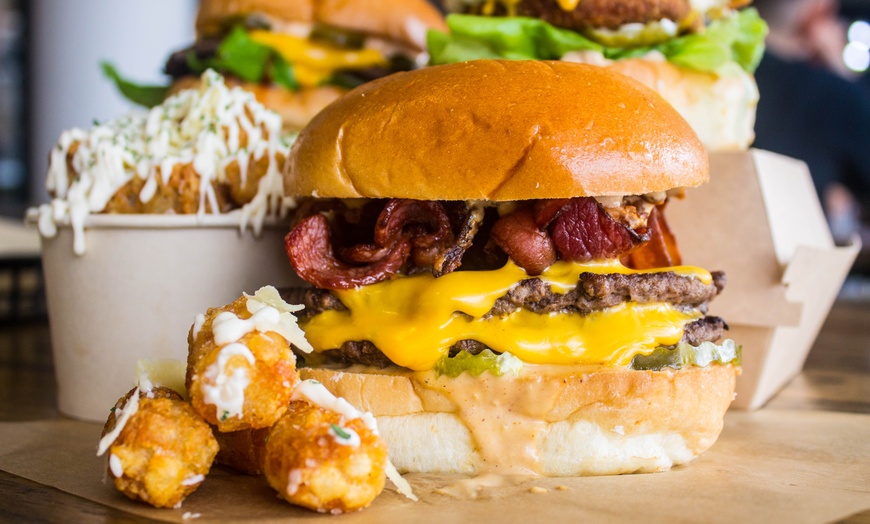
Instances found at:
x=768 y=466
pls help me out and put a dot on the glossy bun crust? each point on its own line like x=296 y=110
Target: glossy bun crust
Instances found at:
x=403 y=21
x=496 y=130
x=604 y=422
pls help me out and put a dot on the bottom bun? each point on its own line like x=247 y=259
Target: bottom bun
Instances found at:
x=548 y=420
x=296 y=108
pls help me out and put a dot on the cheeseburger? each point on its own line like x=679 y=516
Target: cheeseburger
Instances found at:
x=493 y=277
x=298 y=56
x=698 y=54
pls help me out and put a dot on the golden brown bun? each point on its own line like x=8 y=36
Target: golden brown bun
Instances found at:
x=596 y=422
x=721 y=109
x=296 y=108
x=212 y=17
x=496 y=130
x=404 y=21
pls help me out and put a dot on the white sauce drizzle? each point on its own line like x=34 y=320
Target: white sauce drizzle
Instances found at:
x=294 y=480
x=226 y=392
x=115 y=466
x=199 y=127
x=193 y=480
x=350 y=437
x=198 y=322
x=315 y=393
x=122 y=416
x=287 y=326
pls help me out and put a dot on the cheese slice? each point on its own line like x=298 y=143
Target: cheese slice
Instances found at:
x=414 y=320
x=313 y=63
x=568 y=5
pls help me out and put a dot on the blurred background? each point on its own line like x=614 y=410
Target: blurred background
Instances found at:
x=50 y=78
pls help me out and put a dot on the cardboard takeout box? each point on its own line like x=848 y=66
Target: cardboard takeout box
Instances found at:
x=760 y=221
x=136 y=290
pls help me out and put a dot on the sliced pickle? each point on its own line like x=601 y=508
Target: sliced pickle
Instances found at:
x=337 y=37
x=635 y=34
x=486 y=360
x=684 y=354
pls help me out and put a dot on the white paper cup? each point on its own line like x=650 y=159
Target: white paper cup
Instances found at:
x=136 y=290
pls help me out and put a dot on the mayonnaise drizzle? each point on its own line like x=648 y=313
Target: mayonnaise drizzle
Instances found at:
x=315 y=393
x=193 y=480
x=122 y=416
x=115 y=466
x=268 y=298
x=197 y=126
x=226 y=391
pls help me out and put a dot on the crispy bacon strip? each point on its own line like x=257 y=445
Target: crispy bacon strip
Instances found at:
x=584 y=231
x=661 y=250
x=309 y=248
x=424 y=222
x=529 y=246
x=451 y=258
x=549 y=209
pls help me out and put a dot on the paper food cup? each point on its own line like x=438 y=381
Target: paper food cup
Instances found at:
x=136 y=290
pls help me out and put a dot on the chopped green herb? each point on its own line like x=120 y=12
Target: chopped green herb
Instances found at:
x=224 y=416
x=340 y=432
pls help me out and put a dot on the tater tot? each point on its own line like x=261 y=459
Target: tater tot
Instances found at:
x=317 y=459
x=243 y=450
x=241 y=369
x=163 y=450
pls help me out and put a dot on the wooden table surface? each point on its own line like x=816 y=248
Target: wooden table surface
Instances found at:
x=836 y=378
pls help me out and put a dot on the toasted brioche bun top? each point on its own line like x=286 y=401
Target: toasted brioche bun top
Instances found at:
x=404 y=21
x=496 y=130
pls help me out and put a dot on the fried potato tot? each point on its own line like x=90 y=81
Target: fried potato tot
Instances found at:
x=241 y=369
x=243 y=450
x=316 y=459
x=163 y=449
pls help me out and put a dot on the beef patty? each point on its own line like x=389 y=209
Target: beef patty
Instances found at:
x=593 y=292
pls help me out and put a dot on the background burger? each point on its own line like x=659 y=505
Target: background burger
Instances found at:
x=297 y=56
x=698 y=54
x=464 y=249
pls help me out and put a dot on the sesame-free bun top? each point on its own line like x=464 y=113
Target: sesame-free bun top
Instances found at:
x=496 y=130
x=403 y=21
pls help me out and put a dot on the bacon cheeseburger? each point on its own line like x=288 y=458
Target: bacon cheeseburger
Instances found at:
x=297 y=56
x=465 y=249
x=698 y=54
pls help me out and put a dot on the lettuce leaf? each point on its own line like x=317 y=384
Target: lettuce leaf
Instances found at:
x=240 y=55
x=237 y=54
x=738 y=39
x=143 y=95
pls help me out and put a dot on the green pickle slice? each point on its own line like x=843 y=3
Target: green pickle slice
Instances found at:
x=486 y=360
x=684 y=354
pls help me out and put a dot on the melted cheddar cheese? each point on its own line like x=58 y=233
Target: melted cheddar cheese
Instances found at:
x=314 y=63
x=414 y=320
x=568 y=5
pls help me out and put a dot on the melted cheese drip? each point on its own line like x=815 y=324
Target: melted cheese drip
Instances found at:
x=568 y=5
x=428 y=315
x=314 y=63
x=199 y=127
